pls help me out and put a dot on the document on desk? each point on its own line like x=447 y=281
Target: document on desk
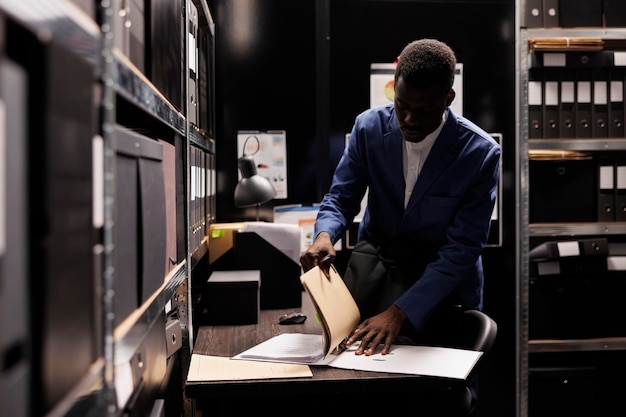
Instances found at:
x=339 y=315
x=218 y=368
x=406 y=359
x=416 y=360
x=287 y=347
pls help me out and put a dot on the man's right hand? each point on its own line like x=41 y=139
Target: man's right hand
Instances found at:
x=321 y=252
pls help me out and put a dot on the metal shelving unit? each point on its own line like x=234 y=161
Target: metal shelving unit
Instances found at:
x=526 y=346
x=106 y=386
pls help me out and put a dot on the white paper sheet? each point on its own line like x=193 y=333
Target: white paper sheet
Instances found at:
x=404 y=359
x=416 y=360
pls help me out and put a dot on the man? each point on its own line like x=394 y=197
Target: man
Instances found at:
x=431 y=176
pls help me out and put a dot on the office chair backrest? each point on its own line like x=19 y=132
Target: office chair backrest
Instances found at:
x=470 y=329
x=480 y=329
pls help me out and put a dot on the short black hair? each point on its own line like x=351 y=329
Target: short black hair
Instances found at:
x=425 y=62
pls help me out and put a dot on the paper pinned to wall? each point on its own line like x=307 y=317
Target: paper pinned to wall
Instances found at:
x=303 y=216
x=382 y=86
x=269 y=150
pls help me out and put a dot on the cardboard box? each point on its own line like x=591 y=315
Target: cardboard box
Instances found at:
x=232 y=298
x=221 y=239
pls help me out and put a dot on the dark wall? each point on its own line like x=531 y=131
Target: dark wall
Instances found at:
x=265 y=80
x=305 y=68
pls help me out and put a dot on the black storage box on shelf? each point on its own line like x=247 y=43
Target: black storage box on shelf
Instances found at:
x=573 y=293
x=563 y=190
x=140 y=228
x=165 y=54
x=58 y=98
x=231 y=298
x=577 y=306
x=614 y=13
x=14 y=290
x=558 y=249
x=580 y=13
x=560 y=307
x=576 y=383
x=563 y=391
x=569 y=257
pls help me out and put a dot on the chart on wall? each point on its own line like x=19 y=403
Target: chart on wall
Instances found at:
x=382 y=86
x=269 y=150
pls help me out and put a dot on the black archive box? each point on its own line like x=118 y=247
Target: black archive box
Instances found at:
x=61 y=119
x=166 y=51
x=140 y=226
x=577 y=306
x=614 y=13
x=580 y=13
x=563 y=391
x=570 y=257
x=232 y=298
x=14 y=290
x=574 y=290
x=563 y=190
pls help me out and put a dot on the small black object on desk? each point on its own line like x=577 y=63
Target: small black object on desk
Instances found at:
x=292 y=318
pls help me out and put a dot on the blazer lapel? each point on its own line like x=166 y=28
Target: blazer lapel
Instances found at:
x=440 y=156
x=393 y=143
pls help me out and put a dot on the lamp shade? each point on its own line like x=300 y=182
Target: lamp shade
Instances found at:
x=253 y=189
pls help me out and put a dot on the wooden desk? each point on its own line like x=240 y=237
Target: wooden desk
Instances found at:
x=328 y=385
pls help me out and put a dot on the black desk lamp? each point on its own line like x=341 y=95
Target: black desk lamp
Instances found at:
x=253 y=189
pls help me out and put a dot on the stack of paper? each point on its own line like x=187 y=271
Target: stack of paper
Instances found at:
x=287 y=347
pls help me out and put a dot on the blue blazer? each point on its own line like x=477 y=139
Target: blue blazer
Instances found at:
x=449 y=210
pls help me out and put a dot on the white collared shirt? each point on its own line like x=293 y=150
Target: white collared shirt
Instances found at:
x=413 y=157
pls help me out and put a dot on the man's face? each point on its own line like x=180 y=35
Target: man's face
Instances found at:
x=419 y=109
